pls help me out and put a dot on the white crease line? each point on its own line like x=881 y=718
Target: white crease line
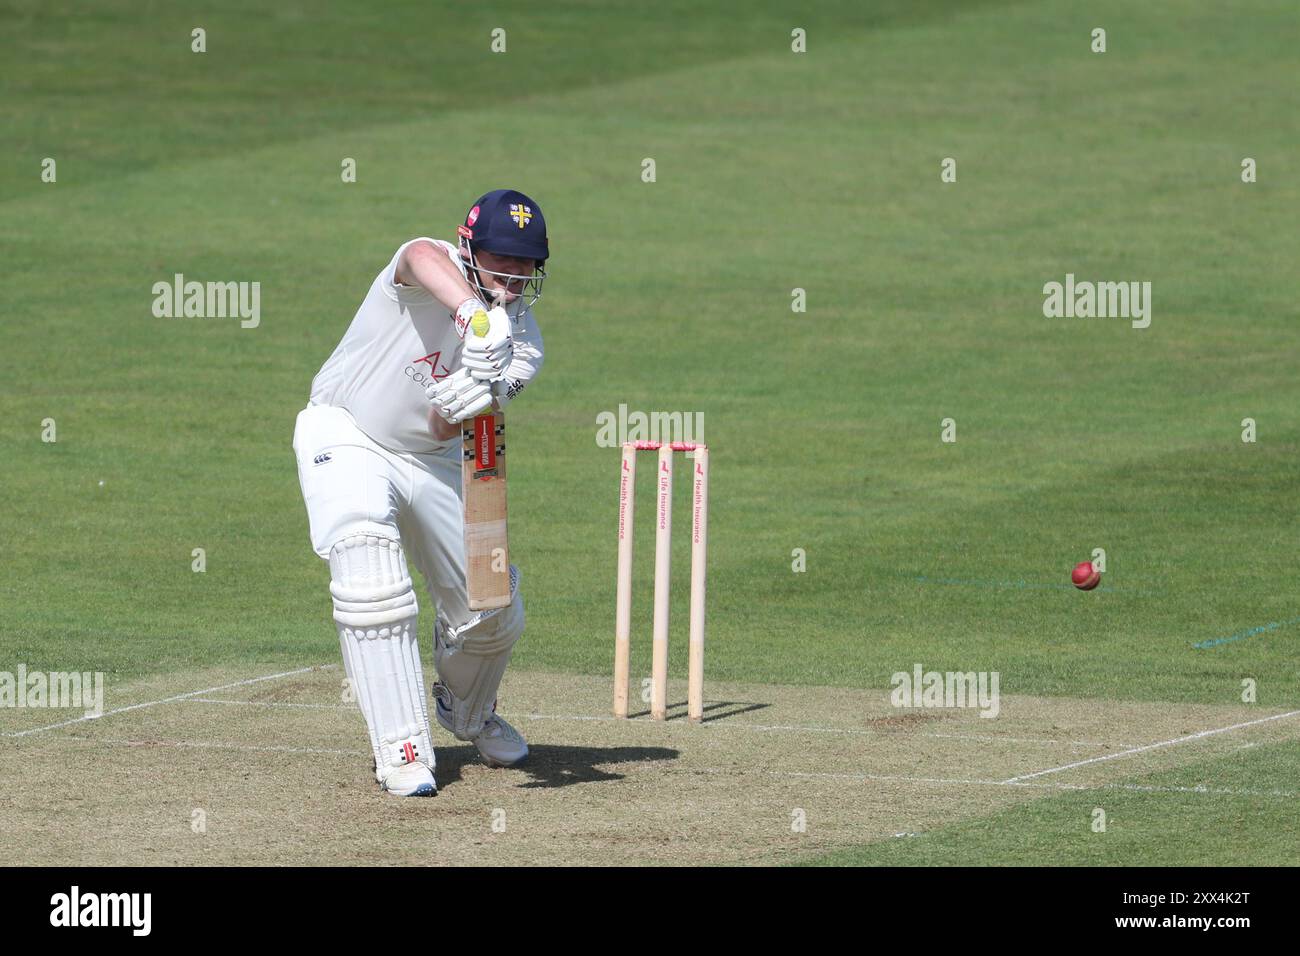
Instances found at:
x=1028 y=740
x=213 y=745
x=1155 y=746
x=727 y=771
x=269 y=703
x=165 y=700
x=796 y=728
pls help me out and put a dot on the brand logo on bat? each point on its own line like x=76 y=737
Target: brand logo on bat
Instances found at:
x=485 y=447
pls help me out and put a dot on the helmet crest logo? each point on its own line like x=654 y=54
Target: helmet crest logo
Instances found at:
x=521 y=214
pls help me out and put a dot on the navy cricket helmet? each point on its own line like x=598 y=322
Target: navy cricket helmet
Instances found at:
x=505 y=222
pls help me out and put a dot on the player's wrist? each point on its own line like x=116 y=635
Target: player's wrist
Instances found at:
x=503 y=390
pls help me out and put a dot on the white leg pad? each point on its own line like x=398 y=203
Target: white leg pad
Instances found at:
x=377 y=616
x=472 y=659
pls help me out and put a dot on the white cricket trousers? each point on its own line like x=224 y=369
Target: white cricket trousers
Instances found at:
x=352 y=485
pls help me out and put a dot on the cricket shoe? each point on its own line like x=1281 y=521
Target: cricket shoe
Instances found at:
x=498 y=743
x=410 y=780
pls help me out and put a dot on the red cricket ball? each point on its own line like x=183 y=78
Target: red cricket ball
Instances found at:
x=1085 y=576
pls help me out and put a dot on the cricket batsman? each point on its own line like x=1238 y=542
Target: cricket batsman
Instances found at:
x=379 y=461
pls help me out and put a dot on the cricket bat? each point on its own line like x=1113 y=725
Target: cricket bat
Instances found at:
x=483 y=486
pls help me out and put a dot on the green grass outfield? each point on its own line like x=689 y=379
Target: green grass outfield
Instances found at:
x=775 y=171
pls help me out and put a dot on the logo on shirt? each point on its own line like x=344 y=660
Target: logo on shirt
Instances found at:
x=521 y=214
x=436 y=371
x=322 y=459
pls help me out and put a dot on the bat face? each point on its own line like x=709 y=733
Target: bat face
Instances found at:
x=483 y=485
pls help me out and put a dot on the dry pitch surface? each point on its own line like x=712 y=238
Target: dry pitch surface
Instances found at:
x=276 y=768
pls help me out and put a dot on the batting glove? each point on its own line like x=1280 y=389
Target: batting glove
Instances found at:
x=487 y=356
x=459 y=396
